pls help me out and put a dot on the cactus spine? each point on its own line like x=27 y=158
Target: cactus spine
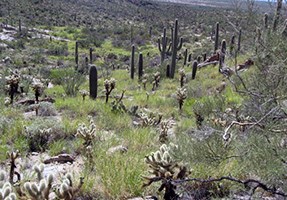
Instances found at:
x=140 y=66
x=216 y=37
x=162 y=46
x=93 y=78
x=176 y=46
x=133 y=62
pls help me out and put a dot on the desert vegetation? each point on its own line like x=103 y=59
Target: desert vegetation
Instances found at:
x=124 y=99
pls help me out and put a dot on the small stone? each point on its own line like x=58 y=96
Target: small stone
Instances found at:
x=120 y=148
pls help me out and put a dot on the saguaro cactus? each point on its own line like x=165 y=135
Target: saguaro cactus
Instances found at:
x=277 y=14
x=266 y=21
x=176 y=46
x=239 y=41
x=133 y=62
x=185 y=57
x=194 y=69
x=20 y=25
x=91 y=55
x=93 y=78
x=77 y=53
x=232 y=44
x=163 y=45
x=140 y=66
x=216 y=37
x=223 y=50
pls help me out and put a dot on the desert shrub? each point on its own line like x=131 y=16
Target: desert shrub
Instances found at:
x=42 y=132
x=57 y=49
x=46 y=109
x=70 y=79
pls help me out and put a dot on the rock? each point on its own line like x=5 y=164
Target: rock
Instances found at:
x=120 y=148
x=62 y=158
x=7 y=60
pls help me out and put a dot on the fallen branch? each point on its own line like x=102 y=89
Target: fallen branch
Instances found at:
x=207 y=63
x=248 y=184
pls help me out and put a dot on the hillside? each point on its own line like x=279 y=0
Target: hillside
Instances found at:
x=138 y=100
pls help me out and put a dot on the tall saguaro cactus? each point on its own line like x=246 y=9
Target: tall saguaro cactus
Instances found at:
x=140 y=67
x=91 y=55
x=93 y=79
x=20 y=26
x=176 y=46
x=239 y=41
x=216 y=43
x=277 y=14
x=163 y=45
x=133 y=62
x=77 y=53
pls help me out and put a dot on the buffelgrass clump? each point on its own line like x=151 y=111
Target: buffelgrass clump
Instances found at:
x=165 y=169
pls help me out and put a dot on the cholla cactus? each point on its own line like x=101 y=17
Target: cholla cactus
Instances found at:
x=165 y=125
x=41 y=189
x=87 y=133
x=156 y=79
x=181 y=96
x=84 y=93
x=109 y=86
x=144 y=80
x=13 y=156
x=164 y=168
x=182 y=77
x=150 y=120
x=6 y=189
x=38 y=87
x=12 y=82
x=67 y=190
x=7 y=101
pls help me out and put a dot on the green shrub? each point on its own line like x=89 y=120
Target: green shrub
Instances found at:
x=70 y=79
